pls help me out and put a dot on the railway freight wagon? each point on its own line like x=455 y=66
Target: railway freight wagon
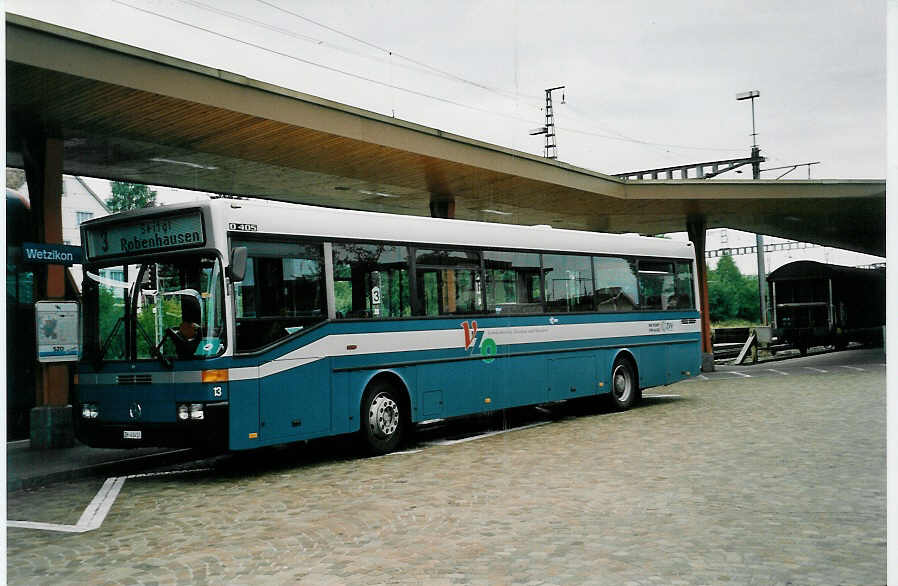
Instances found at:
x=817 y=304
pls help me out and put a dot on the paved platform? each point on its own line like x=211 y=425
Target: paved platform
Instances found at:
x=768 y=478
x=30 y=468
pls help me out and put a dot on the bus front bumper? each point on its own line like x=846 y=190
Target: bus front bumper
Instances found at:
x=209 y=433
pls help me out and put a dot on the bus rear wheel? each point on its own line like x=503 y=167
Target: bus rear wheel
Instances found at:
x=383 y=422
x=624 y=386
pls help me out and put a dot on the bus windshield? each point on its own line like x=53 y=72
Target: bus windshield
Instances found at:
x=171 y=309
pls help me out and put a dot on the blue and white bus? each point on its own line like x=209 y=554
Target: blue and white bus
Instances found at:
x=238 y=324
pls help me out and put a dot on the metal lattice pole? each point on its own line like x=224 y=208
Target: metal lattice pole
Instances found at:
x=551 y=148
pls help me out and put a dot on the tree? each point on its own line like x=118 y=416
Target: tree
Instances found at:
x=732 y=295
x=129 y=196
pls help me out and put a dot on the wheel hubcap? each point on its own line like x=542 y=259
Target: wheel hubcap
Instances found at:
x=622 y=384
x=383 y=416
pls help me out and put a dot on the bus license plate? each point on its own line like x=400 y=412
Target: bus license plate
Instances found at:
x=133 y=434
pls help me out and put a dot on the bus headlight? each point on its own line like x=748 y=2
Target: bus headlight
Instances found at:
x=191 y=411
x=89 y=411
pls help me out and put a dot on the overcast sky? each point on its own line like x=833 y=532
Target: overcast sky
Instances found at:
x=658 y=72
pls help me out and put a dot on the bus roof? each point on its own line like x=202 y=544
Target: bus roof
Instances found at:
x=271 y=217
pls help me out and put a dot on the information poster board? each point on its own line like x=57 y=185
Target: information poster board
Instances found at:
x=58 y=327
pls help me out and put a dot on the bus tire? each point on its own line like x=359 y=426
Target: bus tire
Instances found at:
x=383 y=422
x=624 y=385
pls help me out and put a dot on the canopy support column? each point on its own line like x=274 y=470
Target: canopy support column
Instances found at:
x=442 y=206
x=695 y=226
x=51 y=421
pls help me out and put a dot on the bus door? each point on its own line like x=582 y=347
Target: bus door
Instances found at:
x=295 y=402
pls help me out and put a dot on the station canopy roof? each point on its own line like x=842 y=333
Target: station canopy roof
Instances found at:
x=128 y=114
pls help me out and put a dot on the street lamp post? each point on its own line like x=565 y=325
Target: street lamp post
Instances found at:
x=756 y=174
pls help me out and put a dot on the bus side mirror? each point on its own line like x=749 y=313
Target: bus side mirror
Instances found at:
x=237 y=270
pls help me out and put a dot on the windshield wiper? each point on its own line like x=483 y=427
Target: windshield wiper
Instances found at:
x=98 y=362
x=166 y=362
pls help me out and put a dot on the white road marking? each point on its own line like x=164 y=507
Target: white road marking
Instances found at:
x=91 y=518
x=483 y=435
x=660 y=396
x=398 y=453
x=703 y=377
x=853 y=368
x=816 y=369
x=736 y=372
x=95 y=513
x=778 y=371
x=168 y=473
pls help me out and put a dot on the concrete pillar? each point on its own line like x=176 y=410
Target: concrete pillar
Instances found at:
x=695 y=226
x=51 y=420
x=759 y=239
x=762 y=278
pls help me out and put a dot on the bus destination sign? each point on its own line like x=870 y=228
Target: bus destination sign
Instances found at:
x=149 y=235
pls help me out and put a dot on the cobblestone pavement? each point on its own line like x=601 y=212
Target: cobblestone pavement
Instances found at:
x=774 y=479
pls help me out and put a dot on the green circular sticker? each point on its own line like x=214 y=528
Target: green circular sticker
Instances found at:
x=488 y=350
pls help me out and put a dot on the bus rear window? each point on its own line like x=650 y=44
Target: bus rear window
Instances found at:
x=665 y=285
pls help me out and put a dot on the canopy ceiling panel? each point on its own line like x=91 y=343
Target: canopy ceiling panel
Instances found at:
x=128 y=114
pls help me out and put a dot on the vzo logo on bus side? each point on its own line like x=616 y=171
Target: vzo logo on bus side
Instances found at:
x=475 y=342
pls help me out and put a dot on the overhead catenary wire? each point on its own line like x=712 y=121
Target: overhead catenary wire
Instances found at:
x=413 y=65
x=623 y=137
x=393 y=53
x=314 y=64
x=620 y=137
x=449 y=75
x=645 y=142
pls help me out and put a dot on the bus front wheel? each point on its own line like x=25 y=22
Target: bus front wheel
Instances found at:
x=383 y=422
x=624 y=386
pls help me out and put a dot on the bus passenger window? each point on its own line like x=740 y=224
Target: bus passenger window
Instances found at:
x=371 y=281
x=448 y=282
x=657 y=285
x=616 y=288
x=512 y=282
x=282 y=292
x=568 y=282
